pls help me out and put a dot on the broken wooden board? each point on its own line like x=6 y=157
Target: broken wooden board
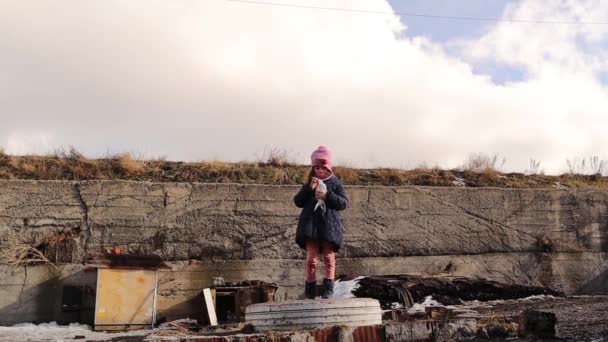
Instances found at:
x=209 y=307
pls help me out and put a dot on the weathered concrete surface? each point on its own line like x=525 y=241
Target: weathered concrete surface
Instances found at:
x=30 y=294
x=556 y=238
x=248 y=222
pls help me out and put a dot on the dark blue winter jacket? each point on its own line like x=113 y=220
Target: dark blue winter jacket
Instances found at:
x=319 y=225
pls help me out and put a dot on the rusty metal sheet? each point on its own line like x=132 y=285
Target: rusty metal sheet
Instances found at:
x=374 y=333
x=323 y=335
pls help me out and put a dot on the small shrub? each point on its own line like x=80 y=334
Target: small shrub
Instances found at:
x=281 y=177
x=490 y=174
x=591 y=166
x=394 y=177
x=274 y=156
x=18 y=254
x=58 y=247
x=481 y=161
x=27 y=166
x=576 y=166
x=534 y=168
x=346 y=174
x=597 y=165
x=4 y=158
x=71 y=154
x=79 y=173
x=130 y=165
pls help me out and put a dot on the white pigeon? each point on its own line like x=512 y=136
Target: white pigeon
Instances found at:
x=321 y=187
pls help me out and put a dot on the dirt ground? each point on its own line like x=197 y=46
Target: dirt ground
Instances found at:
x=579 y=318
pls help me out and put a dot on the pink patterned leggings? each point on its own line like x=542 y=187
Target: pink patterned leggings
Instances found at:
x=312 y=259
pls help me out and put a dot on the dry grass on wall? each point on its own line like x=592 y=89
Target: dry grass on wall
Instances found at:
x=276 y=167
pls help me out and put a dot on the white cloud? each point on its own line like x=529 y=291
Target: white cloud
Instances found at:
x=221 y=79
x=549 y=48
x=20 y=143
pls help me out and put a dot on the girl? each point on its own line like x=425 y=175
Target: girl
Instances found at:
x=320 y=230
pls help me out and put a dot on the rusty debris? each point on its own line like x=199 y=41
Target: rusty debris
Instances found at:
x=477 y=320
x=538 y=324
x=409 y=289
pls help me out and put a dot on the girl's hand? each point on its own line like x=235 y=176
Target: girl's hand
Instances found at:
x=321 y=195
x=313 y=183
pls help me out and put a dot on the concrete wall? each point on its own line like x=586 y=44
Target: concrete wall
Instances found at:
x=554 y=238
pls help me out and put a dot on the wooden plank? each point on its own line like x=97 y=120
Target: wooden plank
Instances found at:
x=210 y=307
x=237 y=307
x=124 y=297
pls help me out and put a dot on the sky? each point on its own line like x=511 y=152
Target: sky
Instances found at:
x=227 y=80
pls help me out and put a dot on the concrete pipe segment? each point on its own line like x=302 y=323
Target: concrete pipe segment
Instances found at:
x=309 y=314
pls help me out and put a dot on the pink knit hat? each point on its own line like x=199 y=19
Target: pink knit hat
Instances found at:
x=322 y=156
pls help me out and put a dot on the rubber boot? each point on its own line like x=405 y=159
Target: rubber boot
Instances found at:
x=328 y=288
x=310 y=289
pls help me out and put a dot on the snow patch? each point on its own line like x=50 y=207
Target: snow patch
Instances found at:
x=538 y=297
x=344 y=289
x=55 y=332
x=396 y=305
x=421 y=307
x=491 y=303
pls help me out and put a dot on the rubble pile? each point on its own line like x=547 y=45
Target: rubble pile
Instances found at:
x=410 y=289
